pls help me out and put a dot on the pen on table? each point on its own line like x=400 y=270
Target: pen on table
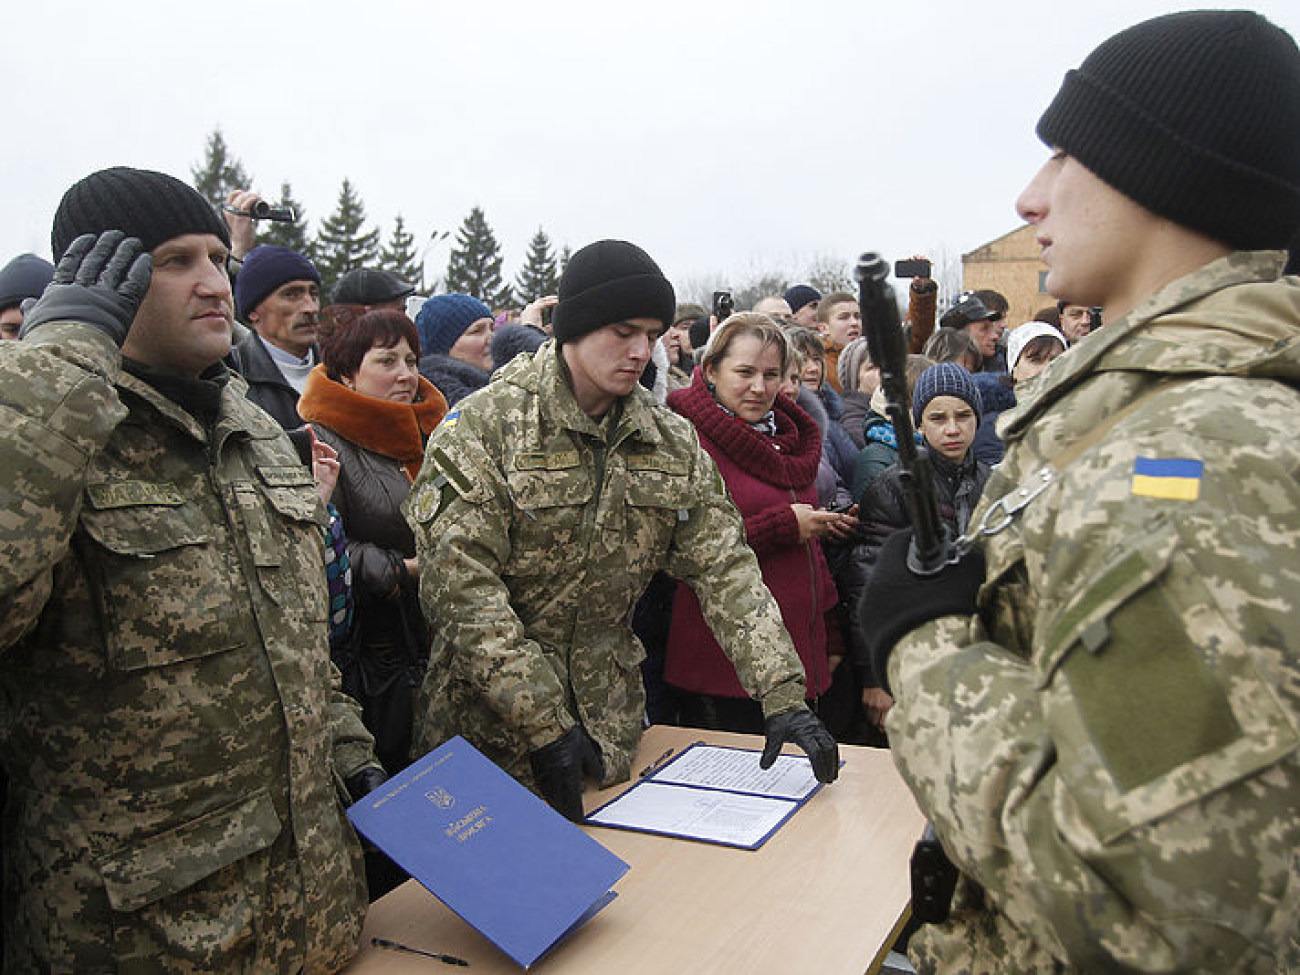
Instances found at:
x=398 y=946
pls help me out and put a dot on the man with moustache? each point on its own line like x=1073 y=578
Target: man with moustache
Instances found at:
x=1098 y=707
x=278 y=294
x=174 y=730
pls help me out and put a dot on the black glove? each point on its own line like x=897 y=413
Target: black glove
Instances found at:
x=895 y=601
x=361 y=784
x=559 y=767
x=100 y=282
x=803 y=728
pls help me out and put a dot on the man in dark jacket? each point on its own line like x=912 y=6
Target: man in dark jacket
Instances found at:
x=278 y=294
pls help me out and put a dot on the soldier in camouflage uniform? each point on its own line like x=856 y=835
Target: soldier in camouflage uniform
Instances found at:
x=544 y=506
x=1103 y=721
x=175 y=737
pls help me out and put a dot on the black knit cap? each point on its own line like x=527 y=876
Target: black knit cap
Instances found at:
x=1196 y=116
x=141 y=203
x=610 y=281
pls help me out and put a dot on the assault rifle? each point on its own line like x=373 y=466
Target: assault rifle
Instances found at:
x=932 y=543
x=934 y=878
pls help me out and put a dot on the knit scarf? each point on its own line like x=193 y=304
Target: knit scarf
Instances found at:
x=396 y=430
x=788 y=459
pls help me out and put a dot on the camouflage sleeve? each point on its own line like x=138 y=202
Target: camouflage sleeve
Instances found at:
x=460 y=509
x=1127 y=794
x=709 y=552
x=352 y=746
x=57 y=412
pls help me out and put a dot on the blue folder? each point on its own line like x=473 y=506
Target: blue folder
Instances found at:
x=494 y=853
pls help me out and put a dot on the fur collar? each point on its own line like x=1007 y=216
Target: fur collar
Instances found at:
x=396 y=430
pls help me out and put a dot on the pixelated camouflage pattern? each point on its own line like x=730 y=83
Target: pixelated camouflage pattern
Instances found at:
x=172 y=726
x=537 y=530
x=1109 y=753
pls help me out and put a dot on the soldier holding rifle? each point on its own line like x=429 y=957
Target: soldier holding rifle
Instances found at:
x=1098 y=706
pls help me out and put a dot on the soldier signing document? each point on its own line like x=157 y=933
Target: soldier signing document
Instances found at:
x=545 y=504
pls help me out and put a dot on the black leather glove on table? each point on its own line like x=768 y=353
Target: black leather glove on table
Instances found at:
x=896 y=601
x=99 y=282
x=558 y=769
x=804 y=729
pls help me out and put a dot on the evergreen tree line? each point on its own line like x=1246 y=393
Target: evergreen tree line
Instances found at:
x=342 y=242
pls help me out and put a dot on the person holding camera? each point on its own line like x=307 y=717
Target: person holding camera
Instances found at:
x=1098 y=706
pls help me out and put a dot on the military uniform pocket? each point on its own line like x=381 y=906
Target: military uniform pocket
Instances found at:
x=195 y=893
x=285 y=529
x=1152 y=693
x=658 y=500
x=546 y=527
x=166 y=592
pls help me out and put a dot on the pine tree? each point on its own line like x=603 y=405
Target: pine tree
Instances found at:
x=343 y=243
x=291 y=235
x=399 y=256
x=220 y=172
x=474 y=267
x=540 y=274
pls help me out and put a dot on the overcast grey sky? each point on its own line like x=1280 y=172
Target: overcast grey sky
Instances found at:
x=722 y=136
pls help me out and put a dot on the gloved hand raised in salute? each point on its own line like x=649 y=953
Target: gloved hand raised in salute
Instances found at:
x=100 y=282
x=803 y=728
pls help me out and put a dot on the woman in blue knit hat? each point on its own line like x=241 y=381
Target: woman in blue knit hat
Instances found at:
x=456 y=336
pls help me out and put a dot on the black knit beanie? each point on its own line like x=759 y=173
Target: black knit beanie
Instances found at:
x=1196 y=116
x=152 y=206
x=610 y=281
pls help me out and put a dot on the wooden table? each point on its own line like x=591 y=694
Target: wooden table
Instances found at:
x=824 y=896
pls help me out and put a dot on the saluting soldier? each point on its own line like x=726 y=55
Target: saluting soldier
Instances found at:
x=1101 y=716
x=545 y=504
x=173 y=728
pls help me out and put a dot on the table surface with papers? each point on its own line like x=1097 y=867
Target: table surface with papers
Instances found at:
x=824 y=895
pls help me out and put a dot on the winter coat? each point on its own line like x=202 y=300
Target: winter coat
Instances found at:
x=764 y=476
x=454 y=379
x=854 y=408
x=380 y=446
x=996 y=396
x=267 y=386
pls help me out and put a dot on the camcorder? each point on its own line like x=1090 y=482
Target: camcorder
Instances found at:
x=723 y=306
x=261 y=210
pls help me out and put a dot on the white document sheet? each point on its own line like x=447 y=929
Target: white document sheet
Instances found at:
x=714 y=794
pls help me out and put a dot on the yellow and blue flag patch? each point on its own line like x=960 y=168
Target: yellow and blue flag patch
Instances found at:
x=1170 y=478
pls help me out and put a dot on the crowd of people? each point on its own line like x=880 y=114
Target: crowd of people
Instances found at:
x=268 y=546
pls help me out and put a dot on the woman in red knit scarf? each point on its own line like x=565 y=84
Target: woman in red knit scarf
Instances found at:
x=369 y=402
x=767 y=450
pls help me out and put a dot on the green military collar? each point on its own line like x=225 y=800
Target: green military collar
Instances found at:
x=547 y=375
x=1118 y=345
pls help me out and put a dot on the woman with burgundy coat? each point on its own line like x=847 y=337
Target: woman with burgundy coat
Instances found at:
x=767 y=450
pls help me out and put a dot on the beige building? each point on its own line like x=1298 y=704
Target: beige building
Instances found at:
x=1011 y=266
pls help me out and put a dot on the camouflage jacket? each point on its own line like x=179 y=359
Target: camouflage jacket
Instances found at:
x=172 y=727
x=537 y=530
x=1108 y=750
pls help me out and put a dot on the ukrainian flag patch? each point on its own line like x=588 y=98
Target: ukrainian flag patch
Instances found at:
x=1172 y=479
x=450 y=420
